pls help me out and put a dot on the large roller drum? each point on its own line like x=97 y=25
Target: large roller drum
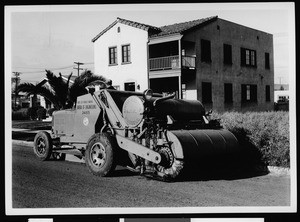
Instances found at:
x=180 y=110
x=195 y=145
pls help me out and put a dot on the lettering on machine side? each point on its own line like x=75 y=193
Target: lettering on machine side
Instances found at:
x=93 y=106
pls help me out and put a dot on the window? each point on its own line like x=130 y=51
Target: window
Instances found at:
x=112 y=55
x=206 y=92
x=119 y=30
x=129 y=86
x=227 y=53
x=268 y=93
x=249 y=93
x=248 y=57
x=125 y=53
x=228 y=93
x=205 y=51
x=267 y=60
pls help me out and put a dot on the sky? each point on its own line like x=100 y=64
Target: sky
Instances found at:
x=54 y=37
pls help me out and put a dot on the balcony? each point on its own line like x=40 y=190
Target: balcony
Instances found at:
x=189 y=62
x=171 y=62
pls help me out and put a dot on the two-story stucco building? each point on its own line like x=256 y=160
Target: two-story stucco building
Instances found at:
x=225 y=65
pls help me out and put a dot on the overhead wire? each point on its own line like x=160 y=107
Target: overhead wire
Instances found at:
x=41 y=70
x=52 y=69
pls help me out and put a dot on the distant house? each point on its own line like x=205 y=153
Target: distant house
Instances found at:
x=281 y=95
x=21 y=100
x=225 y=65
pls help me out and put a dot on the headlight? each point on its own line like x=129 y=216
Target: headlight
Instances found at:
x=148 y=93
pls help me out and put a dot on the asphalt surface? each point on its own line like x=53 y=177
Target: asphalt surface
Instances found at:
x=64 y=184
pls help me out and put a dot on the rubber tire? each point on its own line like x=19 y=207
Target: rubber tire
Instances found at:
x=46 y=138
x=109 y=144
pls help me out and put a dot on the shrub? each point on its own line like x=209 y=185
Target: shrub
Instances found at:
x=267 y=132
x=31 y=112
x=41 y=113
x=50 y=111
x=20 y=114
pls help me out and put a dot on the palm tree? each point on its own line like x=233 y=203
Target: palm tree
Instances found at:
x=85 y=79
x=59 y=88
x=59 y=91
x=56 y=92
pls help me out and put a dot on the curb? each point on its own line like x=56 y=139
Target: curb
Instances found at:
x=279 y=170
x=28 y=130
x=23 y=143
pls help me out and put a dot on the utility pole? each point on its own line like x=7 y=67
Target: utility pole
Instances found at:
x=78 y=64
x=17 y=74
x=281 y=86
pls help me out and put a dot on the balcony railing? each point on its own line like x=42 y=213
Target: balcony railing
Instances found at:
x=189 y=62
x=171 y=62
x=162 y=63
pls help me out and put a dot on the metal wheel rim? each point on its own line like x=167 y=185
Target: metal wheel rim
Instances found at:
x=41 y=146
x=98 y=155
x=165 y=151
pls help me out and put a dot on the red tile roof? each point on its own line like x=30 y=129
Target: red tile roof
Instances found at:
x=145 y=27
x=183 y=26
x=138 y=24
x=161 y=31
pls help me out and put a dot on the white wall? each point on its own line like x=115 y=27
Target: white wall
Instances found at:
x=136 y=71
x=281 y=93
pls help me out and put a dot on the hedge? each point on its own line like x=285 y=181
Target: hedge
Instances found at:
x=41 y=113
x=50 y=111
x=31 y=113
x=267 y=132
x=21 y=114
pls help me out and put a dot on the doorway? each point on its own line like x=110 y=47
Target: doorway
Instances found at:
x=129 y=86
x=165 y=86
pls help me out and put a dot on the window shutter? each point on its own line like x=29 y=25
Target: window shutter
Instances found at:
x=243 y=56
x=244 y=93
x=253 y=93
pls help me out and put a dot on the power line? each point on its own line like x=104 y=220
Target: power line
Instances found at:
x=54 y=69
x=43 y=69
x=51 y=69
x=22 y=67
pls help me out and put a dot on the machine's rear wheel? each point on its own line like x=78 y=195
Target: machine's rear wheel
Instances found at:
x=42 y=145
x=100 y=154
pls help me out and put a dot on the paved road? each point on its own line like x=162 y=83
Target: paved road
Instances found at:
x=54 y=184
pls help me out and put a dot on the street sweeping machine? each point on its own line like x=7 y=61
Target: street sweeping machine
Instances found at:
x=146 y=132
